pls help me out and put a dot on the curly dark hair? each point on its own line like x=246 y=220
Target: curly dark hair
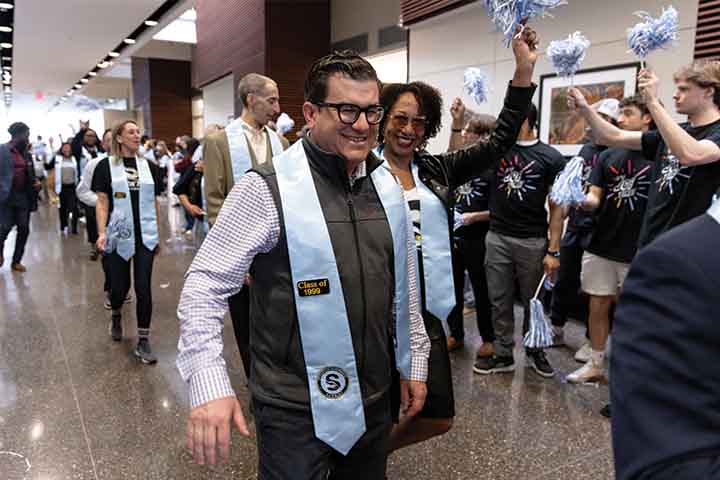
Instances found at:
x=428 y=97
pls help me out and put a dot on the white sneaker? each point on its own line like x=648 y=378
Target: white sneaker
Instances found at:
x=590 y=372
x=583 y=355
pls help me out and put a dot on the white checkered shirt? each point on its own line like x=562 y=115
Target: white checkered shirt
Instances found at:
x=248 y=224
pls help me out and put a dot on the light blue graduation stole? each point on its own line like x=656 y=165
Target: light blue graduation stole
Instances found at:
x=335 y=396
x=436 y=249
x=239 y=148
x=61 y=162
x=206 y=225
x=123 y=205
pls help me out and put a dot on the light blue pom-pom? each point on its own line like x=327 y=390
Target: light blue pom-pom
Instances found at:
x=476 y=84
x=568 y=187
x=507 y=15
x=539 y=334
x=653 y=33
x=567 y=55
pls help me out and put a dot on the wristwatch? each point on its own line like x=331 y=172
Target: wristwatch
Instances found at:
x=553 y=254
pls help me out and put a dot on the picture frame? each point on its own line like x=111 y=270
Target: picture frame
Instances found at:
x=565 y=130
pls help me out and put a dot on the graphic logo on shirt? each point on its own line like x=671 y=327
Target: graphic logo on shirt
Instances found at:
x=133 y=178
x=333 y=382
x=465 y=194
x=516 y=177
x=671 y=175
x=628 y=186
x=588 y=166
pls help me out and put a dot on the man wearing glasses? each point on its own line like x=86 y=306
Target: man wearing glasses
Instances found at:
x=324 y=231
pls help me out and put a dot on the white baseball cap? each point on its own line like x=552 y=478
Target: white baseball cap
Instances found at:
x=609 y=107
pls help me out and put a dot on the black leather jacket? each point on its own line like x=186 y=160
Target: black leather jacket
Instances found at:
x=445 y=172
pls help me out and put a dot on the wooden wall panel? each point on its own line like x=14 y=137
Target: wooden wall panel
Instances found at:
x=288 y=59
x=230 y=38
x=413 y=11
x=170 y=99
x=707 y=39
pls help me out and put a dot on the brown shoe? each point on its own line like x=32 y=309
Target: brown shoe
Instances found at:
x=486 y=350
x=18 y=267
x=453 y=344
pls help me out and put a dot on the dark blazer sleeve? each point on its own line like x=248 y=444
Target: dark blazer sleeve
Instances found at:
x=6 y=173
x=468 y=163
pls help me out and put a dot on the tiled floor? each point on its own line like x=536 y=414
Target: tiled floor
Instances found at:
x=74 y=405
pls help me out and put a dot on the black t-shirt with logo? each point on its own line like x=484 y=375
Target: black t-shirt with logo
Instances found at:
x=519 y=189
x=102 y=182
x=474 y=196
x=578 y=218
x=678 y=193
x=625 y=177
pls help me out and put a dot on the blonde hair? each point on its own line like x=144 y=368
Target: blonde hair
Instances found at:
x=703 y=73
x=116 y=147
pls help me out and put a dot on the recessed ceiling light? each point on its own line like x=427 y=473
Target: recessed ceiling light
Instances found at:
x=84 y=80
x=150 y=23
x=78 y=86
x=6 y=5
x=5 y=29
x=7 y=59
x=114 y=54
x=92 y=74
x=129 y=41
x=6 y=45
x=6 y=82
x=103 y=64
x=7 y=67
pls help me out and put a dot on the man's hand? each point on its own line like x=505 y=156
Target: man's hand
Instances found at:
x=551 y=265
x=457 y=112
x=196 y=211
x=576 y=100
x=525 y=44
x=100 y=243
x=648 y=84
x=412 y=397
x=208 y=429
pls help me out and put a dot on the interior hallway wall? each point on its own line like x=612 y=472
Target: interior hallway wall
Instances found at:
x=442 y=48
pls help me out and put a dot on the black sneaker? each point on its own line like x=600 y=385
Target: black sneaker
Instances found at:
x=538 y=362
x=116 y=328
x=494 y=364
x=143 y=352
x=605 y=411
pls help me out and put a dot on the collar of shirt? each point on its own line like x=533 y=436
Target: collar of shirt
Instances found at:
x=527 y=143
x=255 y=132
x=714 y=210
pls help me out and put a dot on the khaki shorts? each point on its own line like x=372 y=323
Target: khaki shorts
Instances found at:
x=602 y=277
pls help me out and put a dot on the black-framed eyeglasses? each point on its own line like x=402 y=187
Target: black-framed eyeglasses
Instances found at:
x=401 y=120
x=349 y=113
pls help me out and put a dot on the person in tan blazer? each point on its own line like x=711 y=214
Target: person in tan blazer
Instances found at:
x=245 y=143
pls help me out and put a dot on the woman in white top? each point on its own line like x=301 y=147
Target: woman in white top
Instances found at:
x=64 y=178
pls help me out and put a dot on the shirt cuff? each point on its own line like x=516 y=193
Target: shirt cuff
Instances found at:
x=209 y=384
x=418 y=368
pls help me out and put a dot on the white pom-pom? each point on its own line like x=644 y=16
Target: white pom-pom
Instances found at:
x=568 y=187
x=567 y=55
x=653 y=33
x=476 y=84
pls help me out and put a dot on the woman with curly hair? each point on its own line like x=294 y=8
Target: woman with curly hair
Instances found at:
x=413 y=116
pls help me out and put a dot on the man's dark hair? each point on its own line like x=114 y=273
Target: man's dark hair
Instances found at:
x=532 y=117
x=428 y=98
x=347 y=63
x=638 y=102
x=143 y=139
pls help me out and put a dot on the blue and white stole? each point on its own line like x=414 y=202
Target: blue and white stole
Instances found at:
x=436 y=248
x=335 y=396
x=240 y=150
x=123 y=206
x=60 y=163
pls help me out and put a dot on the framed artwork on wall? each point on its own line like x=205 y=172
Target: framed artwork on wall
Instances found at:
x=566 y=130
